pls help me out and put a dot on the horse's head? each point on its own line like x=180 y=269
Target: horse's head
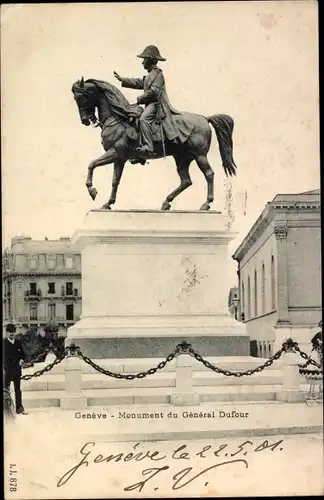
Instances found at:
x=85 y=95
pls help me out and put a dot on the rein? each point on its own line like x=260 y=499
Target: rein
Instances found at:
x=94 y=120
x=96 y=123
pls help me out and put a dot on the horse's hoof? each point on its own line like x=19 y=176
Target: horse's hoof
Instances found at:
x=205 y=207
x=166 y=206
x=93 y=192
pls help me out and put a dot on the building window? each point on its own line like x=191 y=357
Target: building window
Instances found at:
x=69 y=312
x=33 y=288
x=68 y=262
x=52 y=311
x=273 y=284
x=33 y=262
x=33 y=312
x=60 y=260
x=255 y=293
x=51 y=261
x=249 y=298
x=263 y=289
x=243 y=300
x=51 y=288
x=69 y=288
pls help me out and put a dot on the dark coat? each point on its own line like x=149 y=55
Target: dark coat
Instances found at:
x=155 y=91
x=12 y=354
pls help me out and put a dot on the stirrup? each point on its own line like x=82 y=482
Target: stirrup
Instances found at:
x=141 y=152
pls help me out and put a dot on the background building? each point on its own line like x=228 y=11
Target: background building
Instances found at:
x=41 y=283
x=279 y=269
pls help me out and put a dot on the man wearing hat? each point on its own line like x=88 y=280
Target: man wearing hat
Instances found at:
x=13 y=355
x=155 y=99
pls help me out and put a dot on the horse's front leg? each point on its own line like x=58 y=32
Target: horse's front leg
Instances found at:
x=105 y=159
x=118 y=172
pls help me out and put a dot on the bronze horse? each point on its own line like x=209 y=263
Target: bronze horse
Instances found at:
x=119 y=137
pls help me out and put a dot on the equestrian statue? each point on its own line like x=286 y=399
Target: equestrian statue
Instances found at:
x=131 y=133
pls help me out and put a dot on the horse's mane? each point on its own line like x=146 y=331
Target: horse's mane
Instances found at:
x=116 y=99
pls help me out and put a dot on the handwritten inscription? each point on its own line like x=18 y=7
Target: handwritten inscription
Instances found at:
x=166 y=463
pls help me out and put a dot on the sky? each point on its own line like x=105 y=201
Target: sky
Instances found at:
x=256 y=61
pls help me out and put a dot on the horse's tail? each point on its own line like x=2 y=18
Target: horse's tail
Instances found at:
x=223 y=126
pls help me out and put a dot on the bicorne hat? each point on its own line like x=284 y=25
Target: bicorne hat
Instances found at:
x=151 y=51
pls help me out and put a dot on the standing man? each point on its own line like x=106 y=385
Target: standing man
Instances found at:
x=155 y=98
x=13 y=355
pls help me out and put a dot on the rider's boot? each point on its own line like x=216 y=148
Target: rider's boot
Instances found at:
x=145 y=151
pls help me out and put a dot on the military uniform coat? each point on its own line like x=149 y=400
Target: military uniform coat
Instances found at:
x=154 y=91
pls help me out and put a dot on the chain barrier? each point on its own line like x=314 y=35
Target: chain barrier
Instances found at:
x=309 y=360
x=130 y=376
x=27 y=364
x=47 y=368
x=229 y=373
x=183 y=348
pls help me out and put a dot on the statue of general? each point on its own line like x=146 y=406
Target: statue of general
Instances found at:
x=155 y=98
x=131 y=133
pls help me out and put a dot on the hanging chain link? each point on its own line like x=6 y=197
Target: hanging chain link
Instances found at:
x=47 y=368
x=130 y=376
x=36 y=360
x=309 y=360
x=229 y=373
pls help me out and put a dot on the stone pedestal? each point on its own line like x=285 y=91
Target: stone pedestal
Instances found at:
x=152 y=279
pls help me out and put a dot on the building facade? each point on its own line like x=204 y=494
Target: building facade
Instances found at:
x=279 y=269
x=41 y=283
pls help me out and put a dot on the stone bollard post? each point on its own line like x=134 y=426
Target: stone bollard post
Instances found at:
x=73 y=398
x=291 y=392
x=184 y=394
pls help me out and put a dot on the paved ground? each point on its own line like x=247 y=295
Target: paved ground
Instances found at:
x=44 y=446
x=167 y=422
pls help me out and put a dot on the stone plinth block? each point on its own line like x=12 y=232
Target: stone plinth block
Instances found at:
x=184 y=395
x=73 y=398
x=290 y=392
x=151 y=279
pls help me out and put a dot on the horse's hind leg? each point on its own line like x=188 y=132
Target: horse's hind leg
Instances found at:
x=183 y=171
x=206 y=169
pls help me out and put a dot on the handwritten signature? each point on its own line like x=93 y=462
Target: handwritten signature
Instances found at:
x=182 y=477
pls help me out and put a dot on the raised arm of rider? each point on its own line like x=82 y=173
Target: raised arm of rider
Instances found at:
x=133 y=83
